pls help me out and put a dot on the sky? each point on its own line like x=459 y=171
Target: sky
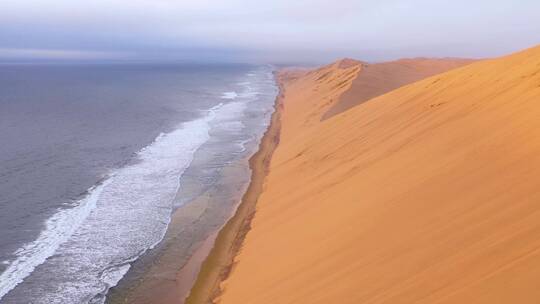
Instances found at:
x=272 y=31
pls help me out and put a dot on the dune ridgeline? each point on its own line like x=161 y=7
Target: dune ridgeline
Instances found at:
x=426 y=193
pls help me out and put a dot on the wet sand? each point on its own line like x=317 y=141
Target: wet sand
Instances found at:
x=165 y=275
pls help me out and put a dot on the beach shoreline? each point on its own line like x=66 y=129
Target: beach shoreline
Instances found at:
x=220 y=258
x=205 y=203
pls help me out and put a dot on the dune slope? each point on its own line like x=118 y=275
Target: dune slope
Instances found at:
x=380 y=78
x=428 y=194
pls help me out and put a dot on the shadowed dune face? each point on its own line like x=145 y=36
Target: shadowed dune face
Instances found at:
x=427 y=194
x=380 y=78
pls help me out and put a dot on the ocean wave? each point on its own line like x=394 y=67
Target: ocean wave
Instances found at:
x=229 y=95
x=87 y=249
x=57 y=230
x=115 y=222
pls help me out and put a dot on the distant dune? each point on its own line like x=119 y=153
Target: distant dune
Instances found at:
x=376 y=79
x=427 y=194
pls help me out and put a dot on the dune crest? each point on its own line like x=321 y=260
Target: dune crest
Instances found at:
x=380 y=78
x=427 y=194
x=346 y=63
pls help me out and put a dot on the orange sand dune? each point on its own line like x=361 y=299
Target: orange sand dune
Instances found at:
x=428 y=194
x=380 y=78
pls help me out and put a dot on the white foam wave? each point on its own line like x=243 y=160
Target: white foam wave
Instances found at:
x=120 y=219
x=228 y=116
x=87 y=249
x=114 y=275
x=243 y=144
x=58 y=229
x=229 y=95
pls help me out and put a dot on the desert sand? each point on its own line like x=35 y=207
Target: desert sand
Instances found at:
x=379 y=78
x=427 y=194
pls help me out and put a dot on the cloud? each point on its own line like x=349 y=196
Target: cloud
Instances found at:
x=271 y=30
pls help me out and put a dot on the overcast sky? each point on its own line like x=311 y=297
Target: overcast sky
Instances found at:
x=265 y=31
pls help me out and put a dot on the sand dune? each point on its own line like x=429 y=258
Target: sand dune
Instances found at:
x=376 y=79
x=427 y=194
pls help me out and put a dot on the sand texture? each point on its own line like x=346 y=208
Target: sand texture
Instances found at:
x=380 y=78
x=427 y=194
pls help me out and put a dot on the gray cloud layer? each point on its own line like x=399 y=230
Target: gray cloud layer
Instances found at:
x=279 y=30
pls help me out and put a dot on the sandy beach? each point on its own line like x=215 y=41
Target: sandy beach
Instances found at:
x=425 y=194
x=219 y=261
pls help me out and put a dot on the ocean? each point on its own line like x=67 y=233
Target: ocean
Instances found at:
x=94 y=159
